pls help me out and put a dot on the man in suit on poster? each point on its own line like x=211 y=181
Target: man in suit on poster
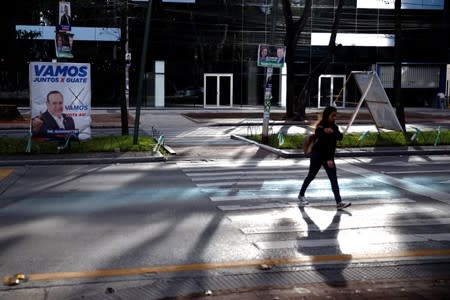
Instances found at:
x=53 y=118
x=280 y=55
x=65 y=18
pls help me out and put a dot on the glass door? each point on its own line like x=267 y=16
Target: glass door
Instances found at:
x=331 y=91
x=218 y=90
x=225 y=91
x=210 y=92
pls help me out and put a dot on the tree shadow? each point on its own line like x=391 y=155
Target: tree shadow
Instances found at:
x=333 y=266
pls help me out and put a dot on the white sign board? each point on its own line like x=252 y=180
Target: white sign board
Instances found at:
x=377 y=101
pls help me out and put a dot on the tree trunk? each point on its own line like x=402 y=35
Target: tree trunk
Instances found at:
x=305 y=94
x=293 y=30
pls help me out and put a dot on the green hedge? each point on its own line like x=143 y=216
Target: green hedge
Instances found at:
x=367 y=139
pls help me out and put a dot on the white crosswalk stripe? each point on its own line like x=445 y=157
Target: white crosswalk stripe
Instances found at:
x=355 y=224
x=198 y=135
x=260 y=199
x=347 y=237
x=400 y=209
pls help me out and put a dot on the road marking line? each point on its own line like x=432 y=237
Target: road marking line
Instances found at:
x=229 y=265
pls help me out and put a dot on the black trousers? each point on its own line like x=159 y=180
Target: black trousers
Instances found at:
x=314 y=167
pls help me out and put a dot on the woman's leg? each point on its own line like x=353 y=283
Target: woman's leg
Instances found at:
x=314 y=167
x=332 y=176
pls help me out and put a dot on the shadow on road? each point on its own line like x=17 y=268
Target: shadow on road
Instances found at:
x=332 y=275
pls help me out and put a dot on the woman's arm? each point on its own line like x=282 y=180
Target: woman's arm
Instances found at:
x=339 y=135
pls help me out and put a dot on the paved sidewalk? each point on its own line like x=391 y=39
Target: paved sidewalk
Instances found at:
x=189 y=120
x=393 y=289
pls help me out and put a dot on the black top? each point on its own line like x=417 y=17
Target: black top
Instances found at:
x=326 y=142
x=65 y=20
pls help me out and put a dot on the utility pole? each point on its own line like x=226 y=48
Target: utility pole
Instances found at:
x=142 y=72
x=268 y=81
x=399 y=108
x=123 y=77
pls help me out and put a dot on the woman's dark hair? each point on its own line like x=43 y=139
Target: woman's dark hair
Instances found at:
x=326 y=114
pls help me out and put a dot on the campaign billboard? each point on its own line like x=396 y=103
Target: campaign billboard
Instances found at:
x=271 y=56
x=60 y=99
x=65 y=16
x=63 y=44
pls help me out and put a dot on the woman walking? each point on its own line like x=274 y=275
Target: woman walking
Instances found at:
x=322 y=154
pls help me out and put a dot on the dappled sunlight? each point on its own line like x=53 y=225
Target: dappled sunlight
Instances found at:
x=147 y=238
x=226 y=163
x=91 y=179
x=345 y=193
x=428 y=158
x=360 y=128
x=356 y=160
x=51 y=181
x=236 y=172
x=96 y=182
x=397 y=183
x=367 y=241
x=90 y=202
x=39 y=226
x=119 y=176
x=280 y=163
x=264 y=216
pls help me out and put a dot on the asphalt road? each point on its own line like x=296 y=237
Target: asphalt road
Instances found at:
x=116 y=223
x=219 y=215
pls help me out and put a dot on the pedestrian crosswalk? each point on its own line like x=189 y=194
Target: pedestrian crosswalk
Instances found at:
x=260 y=199
x=175 y=136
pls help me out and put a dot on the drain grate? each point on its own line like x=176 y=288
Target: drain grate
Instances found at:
x=178 y=286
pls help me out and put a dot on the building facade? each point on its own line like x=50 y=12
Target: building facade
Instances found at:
x=202 y=42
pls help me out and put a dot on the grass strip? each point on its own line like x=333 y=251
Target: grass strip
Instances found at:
x=112 y=143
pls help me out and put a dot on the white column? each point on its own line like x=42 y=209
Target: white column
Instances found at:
x=283 y=84
x=159 y=83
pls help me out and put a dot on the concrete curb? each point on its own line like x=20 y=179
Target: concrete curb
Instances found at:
x=101 y=158
x=355 y=152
